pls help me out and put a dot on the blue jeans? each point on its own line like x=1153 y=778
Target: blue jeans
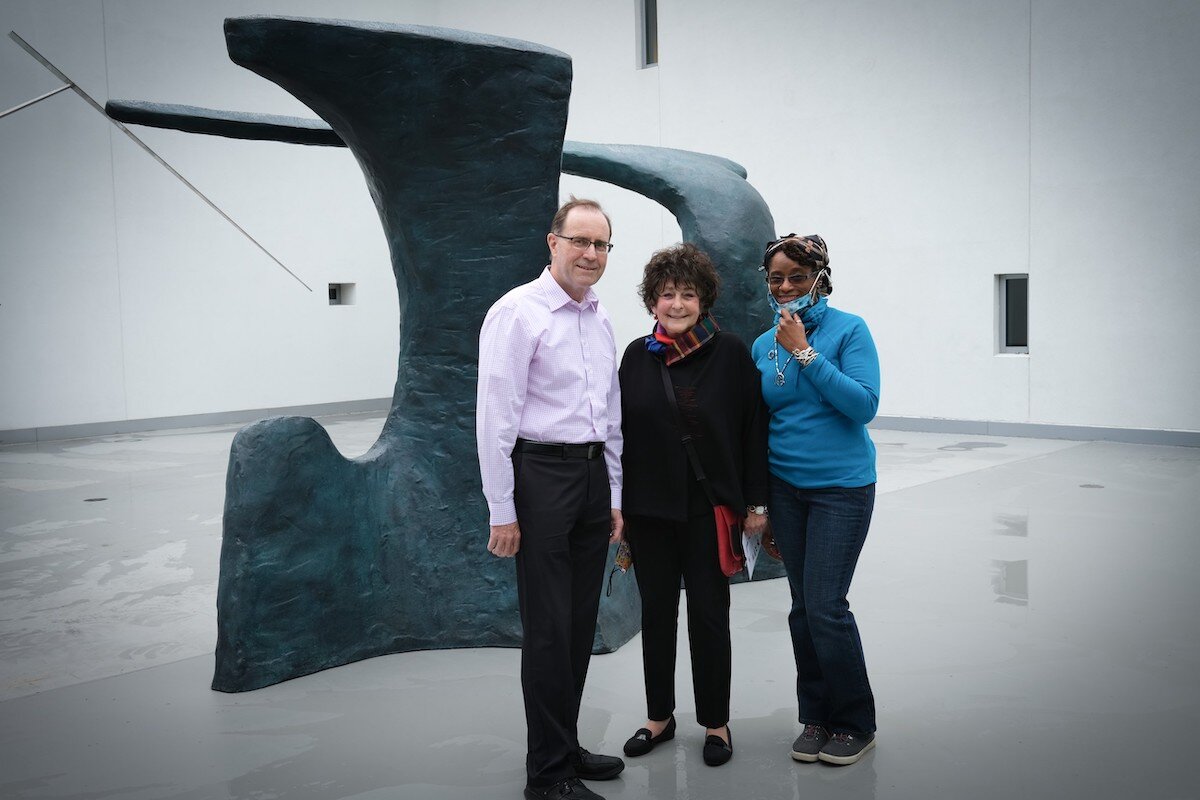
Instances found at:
x=820 y=533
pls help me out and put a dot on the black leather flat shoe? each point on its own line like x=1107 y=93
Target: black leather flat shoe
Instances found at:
x=568 y=789
x=642 y=742
x=596 y=767
x=716 y=750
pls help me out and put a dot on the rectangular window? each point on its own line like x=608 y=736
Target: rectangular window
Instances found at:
x=342 y=294
x=1012 y=293
x=647 y=33
x=1010 y=581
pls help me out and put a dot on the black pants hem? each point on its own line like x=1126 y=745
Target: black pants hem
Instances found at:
x=664 y=554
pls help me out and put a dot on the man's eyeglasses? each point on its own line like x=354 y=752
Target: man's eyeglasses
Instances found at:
x=795 y=279
x=583 y=243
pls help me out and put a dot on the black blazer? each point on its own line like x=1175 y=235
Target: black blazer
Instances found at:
x=719 y=394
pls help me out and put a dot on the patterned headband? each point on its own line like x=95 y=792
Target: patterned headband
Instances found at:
x=812 y=245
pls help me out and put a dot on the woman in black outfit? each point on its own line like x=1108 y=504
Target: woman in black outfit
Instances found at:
x=668 y=518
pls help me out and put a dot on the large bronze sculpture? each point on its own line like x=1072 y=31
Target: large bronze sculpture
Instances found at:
x=327 y=560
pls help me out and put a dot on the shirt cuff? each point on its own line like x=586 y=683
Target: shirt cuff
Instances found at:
x=615 y=501
x=502 y=514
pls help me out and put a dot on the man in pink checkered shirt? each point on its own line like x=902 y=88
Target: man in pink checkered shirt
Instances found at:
x=548 y=428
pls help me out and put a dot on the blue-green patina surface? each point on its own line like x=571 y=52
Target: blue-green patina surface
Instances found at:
x=327 y=560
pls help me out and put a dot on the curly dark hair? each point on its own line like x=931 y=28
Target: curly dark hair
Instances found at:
x=684 y=265
x=807 y=251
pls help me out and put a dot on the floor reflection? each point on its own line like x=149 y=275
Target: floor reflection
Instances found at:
x=107 y=629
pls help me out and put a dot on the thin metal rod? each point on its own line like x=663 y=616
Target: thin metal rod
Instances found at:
x=28 y=103
x=28 y=48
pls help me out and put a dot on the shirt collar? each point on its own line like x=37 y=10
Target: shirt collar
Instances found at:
x=558 y=297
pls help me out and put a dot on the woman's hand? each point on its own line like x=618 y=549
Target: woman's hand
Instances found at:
x=754 y=524
x=790 y=332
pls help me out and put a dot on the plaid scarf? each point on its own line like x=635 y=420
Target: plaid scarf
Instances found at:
x=679 y=348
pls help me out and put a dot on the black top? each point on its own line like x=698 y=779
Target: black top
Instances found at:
x=719 y=395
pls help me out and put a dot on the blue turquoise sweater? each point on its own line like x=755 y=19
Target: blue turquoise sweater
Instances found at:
x=818 y=428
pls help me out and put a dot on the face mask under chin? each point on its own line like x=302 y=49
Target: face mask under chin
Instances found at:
x=801 y=304
x=796 y=307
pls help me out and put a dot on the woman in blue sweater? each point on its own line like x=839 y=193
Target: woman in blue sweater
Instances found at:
x=820 y=380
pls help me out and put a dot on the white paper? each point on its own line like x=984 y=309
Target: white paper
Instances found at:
x=750 y=546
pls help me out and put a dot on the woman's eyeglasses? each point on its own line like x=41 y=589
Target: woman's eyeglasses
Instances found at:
x=795 y=279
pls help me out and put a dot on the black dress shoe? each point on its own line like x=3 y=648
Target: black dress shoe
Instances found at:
x=642 y=742
x=568 y=789
x=716 y=751
x=594 y=767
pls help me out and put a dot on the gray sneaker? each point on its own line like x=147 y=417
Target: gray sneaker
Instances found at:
x=809 y=743
x=846 y=748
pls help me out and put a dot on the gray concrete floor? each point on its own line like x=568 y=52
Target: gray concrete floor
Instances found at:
x=1029 y=611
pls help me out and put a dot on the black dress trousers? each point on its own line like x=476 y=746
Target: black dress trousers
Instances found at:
x=563 y=509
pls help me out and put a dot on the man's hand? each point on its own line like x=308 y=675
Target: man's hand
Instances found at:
x=618 y=526
x=505 y=540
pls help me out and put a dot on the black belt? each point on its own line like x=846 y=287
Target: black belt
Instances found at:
x=588 y=450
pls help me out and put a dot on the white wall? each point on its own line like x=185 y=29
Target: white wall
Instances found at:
x=1115 y=205
x=933 y=144
x=123 y=295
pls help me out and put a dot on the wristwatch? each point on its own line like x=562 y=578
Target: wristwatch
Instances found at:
x=762 y=510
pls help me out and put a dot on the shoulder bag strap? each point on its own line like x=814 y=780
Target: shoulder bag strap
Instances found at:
x=685 y=437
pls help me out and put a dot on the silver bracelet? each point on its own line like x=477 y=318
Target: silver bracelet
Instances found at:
x=805 y=356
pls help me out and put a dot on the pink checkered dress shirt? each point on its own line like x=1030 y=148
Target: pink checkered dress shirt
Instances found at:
x=548 y=373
